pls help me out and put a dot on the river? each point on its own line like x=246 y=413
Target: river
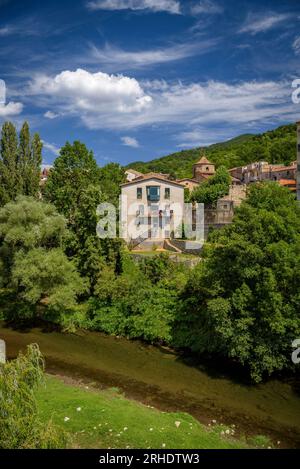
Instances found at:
x=160 y=378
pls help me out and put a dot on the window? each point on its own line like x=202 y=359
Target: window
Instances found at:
x=167 y=193
x=139 y=193
x=153 y=193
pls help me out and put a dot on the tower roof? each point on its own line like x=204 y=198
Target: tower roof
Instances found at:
x=204 y=160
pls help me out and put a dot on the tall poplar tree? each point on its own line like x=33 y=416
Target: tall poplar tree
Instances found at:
x=20 y=163
x=25 y=156
x=10 y=177
x=35 y=165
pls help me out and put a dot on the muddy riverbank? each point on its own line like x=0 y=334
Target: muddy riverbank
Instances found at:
x=163 y=379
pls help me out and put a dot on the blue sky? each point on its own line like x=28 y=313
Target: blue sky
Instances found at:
x=138 y=79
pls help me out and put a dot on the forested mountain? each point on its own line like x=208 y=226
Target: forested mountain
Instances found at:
x=275 y=146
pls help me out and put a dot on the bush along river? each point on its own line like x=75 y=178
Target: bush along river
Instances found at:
x=164 y=379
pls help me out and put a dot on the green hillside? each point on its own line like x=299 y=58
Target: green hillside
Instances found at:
x=275 y=146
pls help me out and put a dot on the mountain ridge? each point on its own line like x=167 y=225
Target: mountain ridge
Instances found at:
x=274 y=146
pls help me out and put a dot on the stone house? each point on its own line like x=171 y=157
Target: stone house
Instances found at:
x=152 y=207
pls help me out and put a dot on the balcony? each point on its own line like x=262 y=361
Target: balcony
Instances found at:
x=153 y=193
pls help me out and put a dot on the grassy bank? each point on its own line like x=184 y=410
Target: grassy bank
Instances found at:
x=105 y=419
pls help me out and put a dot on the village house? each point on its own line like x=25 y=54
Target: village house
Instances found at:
x=262 y=171
x=131 y=174
x=153 y=195
x=152 y=208
x=45 y=174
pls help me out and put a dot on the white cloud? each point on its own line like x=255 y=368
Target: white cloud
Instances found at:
x=296 y=45
x=96 y=94
x=51 y=147
x=200 y=137
x=107 y=101
x=51 y=115
x=206 y=7
x=130 y=142
x=258 y=23
x=116 y=58
x=169 y=6
x=10 y=109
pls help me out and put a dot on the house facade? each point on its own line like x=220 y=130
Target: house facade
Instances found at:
x=152 y=207
x=264 y=171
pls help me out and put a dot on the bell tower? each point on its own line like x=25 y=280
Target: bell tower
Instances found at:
x=203 y=169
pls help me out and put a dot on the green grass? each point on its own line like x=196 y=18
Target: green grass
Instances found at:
x=108 y=420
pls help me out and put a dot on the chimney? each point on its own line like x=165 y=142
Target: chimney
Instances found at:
x=298 y=161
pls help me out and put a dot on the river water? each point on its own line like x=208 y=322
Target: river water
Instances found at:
x=160 y=378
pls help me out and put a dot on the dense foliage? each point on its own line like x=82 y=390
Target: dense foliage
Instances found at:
x=76 y=186
x=243 y=301
x=275 y=146
x=20 y=427
x=211 y=190
x=20 y=163
x=33 y=266
x=141 y=302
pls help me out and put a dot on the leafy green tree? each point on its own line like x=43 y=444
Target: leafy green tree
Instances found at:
x=283 y=150
x=76 y=186
x=20 y=427
x=89 y=252
x=26 y=163
x=10 y=175
x=242 y=302
x=20 y=163
x=33 y=265
x=46 y=277
x=141 y=302
x=111 y=176
x=157 y=267
x=34 y=171
x=210 y=191
x=74 y=170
